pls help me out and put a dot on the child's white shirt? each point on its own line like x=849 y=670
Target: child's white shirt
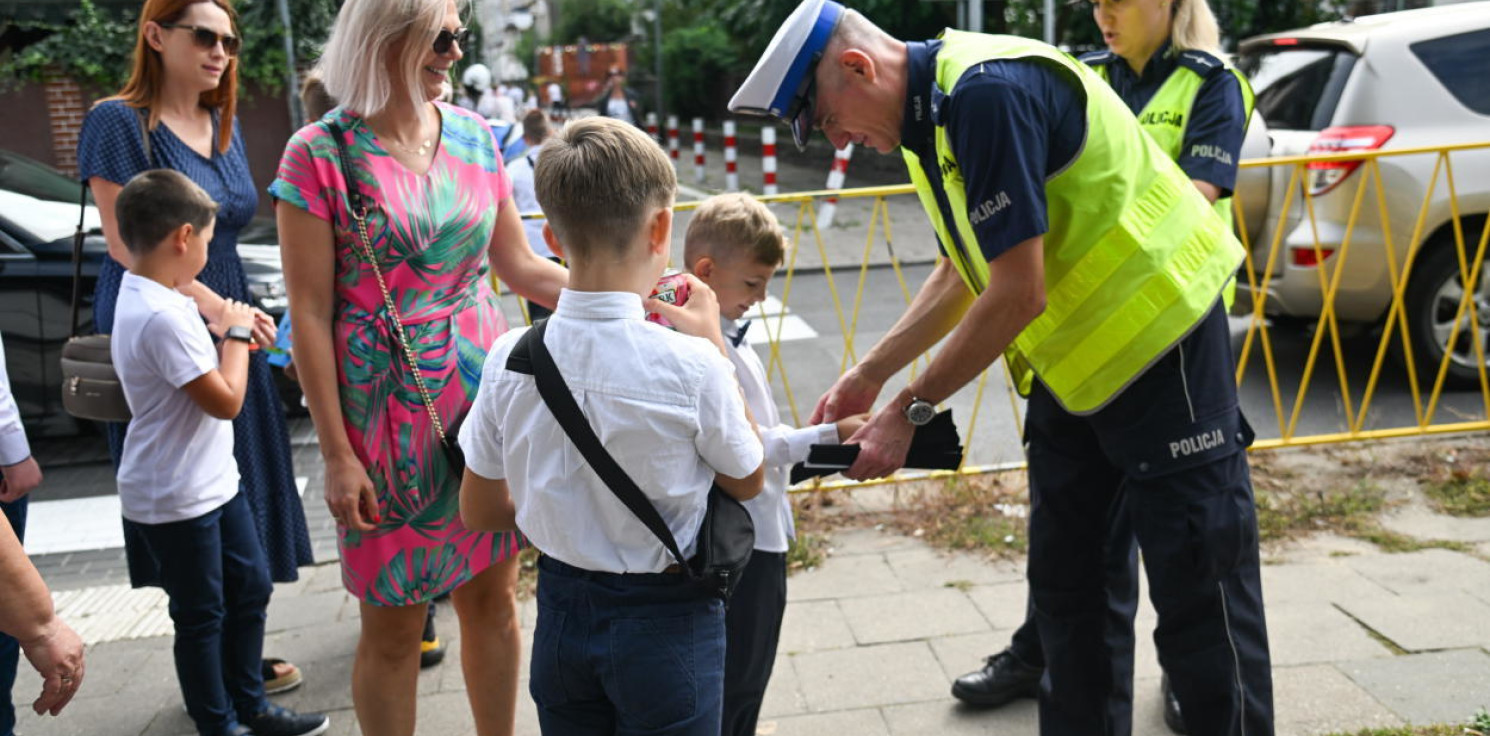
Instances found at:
x=178 y=460
x=666 y=406
x=785 y=446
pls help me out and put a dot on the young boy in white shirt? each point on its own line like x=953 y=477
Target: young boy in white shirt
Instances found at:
x=734 y=244
x=625 y=643
x=178 y=481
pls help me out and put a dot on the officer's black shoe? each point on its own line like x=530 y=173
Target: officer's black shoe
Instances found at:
x=1003 y=679
x=1171 y=707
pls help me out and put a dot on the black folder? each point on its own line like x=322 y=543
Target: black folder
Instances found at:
x=934 y=446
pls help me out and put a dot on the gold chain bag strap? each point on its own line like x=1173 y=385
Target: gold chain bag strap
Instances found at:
x=357 y=206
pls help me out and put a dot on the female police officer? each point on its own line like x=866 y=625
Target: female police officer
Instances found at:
x=1075 y=243
x=1196 y=108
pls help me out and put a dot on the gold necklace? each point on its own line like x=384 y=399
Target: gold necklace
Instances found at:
x=420 y=151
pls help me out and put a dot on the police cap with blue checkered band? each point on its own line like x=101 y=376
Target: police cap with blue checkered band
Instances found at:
x=781 y=85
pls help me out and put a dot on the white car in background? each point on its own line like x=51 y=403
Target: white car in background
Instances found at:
x=1391 y=81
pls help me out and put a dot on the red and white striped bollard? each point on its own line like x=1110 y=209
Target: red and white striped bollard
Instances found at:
x=672 y=137
x=731 y=175
x=768 y=159
x=652 y=127
x=698 y=149
x=836 y=176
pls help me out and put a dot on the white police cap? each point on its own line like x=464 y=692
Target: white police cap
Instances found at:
x=781 y=85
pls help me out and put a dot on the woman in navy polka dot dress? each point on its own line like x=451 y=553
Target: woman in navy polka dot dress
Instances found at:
x=187 y=105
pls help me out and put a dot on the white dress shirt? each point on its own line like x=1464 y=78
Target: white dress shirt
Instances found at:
x=666 y=406
x=785 y=446
x=178 y=460
x=526 y=199
x=13 y=445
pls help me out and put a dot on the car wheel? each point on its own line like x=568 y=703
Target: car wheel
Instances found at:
x=1432 y=302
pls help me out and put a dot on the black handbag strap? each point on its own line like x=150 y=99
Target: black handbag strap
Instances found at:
x=78 y=236
x=530 y=355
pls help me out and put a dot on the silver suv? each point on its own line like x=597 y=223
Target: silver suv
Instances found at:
x=1390 y=81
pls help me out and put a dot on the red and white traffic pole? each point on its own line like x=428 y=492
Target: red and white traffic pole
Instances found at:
x=672 y=137
x=652 y=126
x=768 y=158
x=836 y=176
x=731 y=175
x=698 y=149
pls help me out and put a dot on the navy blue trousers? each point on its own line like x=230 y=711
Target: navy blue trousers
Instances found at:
x=1169 y=454
x=615 y=655
x=10 y=650
x=752 y=628
x=215 y=574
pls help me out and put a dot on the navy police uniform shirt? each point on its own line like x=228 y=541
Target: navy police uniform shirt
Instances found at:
x=1012 y=125
x=1213 y=134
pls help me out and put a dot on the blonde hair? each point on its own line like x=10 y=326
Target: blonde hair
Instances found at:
x=598 y=181
x=1194 y=27
x=354 y=66
x=732 y=226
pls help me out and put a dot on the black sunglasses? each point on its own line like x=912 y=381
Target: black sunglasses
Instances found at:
x=207 y=38
x=442 y=42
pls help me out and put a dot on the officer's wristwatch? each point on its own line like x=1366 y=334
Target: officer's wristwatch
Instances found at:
x=240 y=333
x=919 y=412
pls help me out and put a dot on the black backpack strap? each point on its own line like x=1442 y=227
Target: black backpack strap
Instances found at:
x=77 y=260
x=531 y=356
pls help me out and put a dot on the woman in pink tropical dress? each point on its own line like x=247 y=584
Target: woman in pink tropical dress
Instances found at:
x=440 y=211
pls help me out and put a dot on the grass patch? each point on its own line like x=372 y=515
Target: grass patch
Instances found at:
x=975 y=513
x=806 y=552
x=1390 y=541
x=1284 y=513
x=1463 y=493
x=1438 y=730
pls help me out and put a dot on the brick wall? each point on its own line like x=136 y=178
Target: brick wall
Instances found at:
x=65 y=109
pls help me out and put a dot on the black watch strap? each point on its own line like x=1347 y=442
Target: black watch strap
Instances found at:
x=240 y=333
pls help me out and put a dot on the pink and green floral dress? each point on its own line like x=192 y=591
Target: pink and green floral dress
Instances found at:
x=430 y=234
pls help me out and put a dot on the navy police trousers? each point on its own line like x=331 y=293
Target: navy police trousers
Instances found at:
x=1168 y=454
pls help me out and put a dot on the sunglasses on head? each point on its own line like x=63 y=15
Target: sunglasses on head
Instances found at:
x=442 y=42
x=207 y=38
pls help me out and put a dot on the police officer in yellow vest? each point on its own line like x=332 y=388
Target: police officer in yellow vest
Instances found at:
x=1079 y=251
x=1196 y=108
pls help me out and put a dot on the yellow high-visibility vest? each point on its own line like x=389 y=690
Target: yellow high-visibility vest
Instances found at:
x=1134 y=255
x=1166 y=117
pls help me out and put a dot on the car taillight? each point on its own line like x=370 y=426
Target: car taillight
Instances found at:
x=1326 y=175
x=1307 y=258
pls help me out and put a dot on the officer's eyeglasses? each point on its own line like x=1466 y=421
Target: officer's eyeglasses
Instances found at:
x=447 y=37
x=206 y=38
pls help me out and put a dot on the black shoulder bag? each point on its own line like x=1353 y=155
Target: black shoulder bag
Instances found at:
x=357 y=208
x=727 y=535
x=90 y=386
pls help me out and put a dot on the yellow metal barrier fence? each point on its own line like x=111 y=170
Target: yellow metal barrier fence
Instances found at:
x=1293 y=223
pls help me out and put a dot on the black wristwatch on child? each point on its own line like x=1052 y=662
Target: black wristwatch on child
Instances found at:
x=240 y=333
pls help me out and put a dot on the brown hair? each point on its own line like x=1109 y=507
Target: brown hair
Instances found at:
x=598 y=181
x=734 y=225
x=535 y=127
x=156 y=202
x=314 y=99
x=147 y=77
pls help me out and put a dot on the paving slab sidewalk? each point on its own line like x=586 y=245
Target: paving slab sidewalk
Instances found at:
x=874 y=637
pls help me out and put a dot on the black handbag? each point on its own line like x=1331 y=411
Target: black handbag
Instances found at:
x=357 y=207
x=90 y=385
x=727 y=536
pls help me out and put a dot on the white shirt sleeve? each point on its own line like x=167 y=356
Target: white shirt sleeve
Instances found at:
x=178 y=347
x=726 y=440
x=13 y=445
x=788 y=445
